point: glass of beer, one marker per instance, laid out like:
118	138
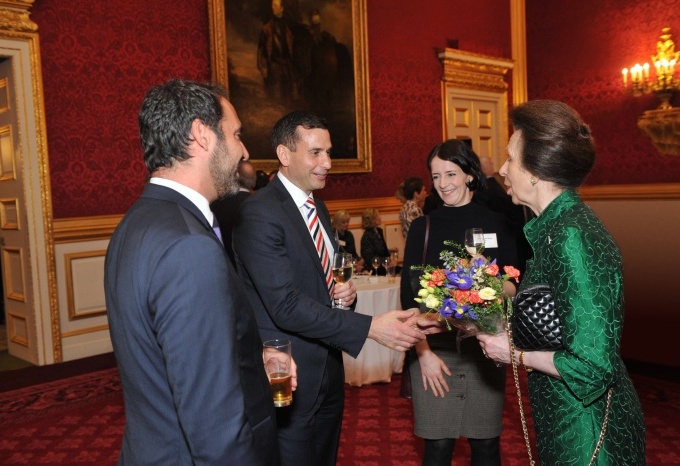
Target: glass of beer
277	363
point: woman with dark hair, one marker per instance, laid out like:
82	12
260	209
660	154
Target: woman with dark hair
414	192
550	154
462	392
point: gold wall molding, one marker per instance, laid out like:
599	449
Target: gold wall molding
101	227
630	192
467	70
76	229
518	34
85	331
14	16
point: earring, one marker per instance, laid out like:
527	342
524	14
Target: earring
533	181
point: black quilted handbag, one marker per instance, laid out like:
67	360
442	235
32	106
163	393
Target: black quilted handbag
535	323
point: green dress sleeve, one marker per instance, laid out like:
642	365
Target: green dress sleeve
588	289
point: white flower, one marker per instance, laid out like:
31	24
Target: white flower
487	294
431	302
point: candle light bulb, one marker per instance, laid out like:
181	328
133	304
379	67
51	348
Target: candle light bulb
624	72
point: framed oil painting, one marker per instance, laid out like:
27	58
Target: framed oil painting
275	56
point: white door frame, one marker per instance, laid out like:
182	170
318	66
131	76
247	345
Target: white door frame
22	47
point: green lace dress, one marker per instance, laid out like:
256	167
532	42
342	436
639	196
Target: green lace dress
574	253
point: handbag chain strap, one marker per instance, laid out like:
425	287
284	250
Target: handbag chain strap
525	430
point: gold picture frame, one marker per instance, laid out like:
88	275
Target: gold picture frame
257	106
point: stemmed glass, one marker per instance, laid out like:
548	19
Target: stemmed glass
342	271
474	241
375	263
385	262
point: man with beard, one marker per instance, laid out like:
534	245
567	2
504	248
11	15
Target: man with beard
185	339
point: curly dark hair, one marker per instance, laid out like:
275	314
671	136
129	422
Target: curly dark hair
166	116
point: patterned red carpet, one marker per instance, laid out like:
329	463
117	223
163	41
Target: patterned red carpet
79	421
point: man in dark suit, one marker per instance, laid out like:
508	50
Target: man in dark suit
290	294
493	196
225	209
184	335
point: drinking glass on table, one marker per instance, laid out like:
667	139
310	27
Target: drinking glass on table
474	241
342	271
277	363
375	263
392	266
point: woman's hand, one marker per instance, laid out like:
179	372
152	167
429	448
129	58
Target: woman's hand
433	369
495	347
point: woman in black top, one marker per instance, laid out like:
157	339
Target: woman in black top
456	393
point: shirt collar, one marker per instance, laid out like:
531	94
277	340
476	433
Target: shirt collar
197	199
298	195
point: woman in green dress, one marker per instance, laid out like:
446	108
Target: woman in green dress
550	154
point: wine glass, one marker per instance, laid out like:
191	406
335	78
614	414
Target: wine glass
342	271
385	262
375	263
474	241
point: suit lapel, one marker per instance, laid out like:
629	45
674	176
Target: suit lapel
299	225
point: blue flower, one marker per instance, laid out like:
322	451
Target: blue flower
461	311
458	280
448	307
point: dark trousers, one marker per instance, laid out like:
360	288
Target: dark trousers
484	452
311	439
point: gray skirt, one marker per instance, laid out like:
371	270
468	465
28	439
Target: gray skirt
473	406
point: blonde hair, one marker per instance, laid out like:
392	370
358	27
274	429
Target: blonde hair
339	216
368	218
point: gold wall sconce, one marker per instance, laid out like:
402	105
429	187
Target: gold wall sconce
662	125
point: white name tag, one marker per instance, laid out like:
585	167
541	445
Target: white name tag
490	240
342	243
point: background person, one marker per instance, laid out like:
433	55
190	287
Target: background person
289	291
550	154
373	240
415	193
184	336
493	196
225	209
455	393
346	243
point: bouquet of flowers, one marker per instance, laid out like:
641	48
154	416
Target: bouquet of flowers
467	291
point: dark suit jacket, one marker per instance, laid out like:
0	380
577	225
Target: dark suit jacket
186	341
280	265
225	211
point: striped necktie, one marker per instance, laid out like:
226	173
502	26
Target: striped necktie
314	226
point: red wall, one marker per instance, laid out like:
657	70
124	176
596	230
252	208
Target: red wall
575	53
99	58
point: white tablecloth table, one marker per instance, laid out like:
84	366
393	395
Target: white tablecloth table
375	363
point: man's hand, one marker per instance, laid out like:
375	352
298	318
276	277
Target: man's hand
431	323
395	329
346	292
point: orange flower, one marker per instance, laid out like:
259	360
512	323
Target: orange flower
491	269
474	297
437	278
512	272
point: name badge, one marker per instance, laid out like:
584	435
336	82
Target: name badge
490	240
342	243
